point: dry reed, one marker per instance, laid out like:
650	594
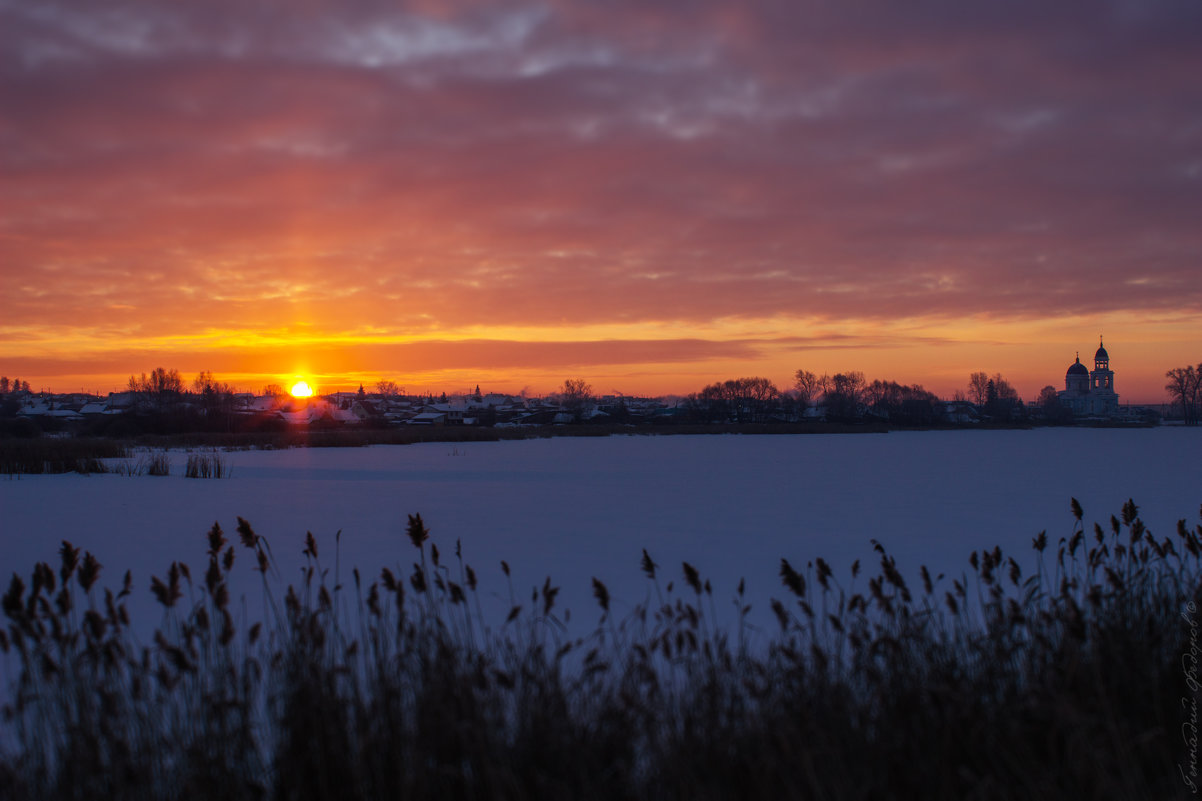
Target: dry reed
1061	680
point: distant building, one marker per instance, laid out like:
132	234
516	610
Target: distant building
1090	393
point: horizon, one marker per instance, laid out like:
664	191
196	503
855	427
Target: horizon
649	198
312	389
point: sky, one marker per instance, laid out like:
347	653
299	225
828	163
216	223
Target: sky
648	196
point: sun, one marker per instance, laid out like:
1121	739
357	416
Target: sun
301	389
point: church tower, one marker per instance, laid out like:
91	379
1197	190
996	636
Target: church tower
1103	399
1102	377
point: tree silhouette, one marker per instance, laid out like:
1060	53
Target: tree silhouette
908	405
160	390
739	399
576	396
978	388
1185	389
845	395
806	387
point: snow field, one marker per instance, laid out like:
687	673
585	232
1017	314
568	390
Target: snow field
575	508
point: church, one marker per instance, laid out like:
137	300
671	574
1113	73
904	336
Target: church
1090	393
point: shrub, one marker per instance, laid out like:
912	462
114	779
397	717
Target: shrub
130	468
159	464
206	465
154	464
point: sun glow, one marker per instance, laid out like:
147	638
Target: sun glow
301	389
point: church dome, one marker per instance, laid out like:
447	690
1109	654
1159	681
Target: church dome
1077	369
1101	355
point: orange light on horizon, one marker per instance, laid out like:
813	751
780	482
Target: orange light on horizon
301	389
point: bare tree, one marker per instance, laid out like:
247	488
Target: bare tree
708	404
205	384
1004	389
908	405
1185	389
203	380
759	394
215	397
1195	393
740	399
389	389
806	387
576	396
159	381
845	395
161	388
1001	399
978	388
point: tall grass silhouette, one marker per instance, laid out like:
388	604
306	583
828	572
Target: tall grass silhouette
1061	677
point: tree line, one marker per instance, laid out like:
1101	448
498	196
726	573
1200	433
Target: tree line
163	389
15	385
845	397
165	402
842	397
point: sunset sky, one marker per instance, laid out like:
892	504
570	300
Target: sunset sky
651	196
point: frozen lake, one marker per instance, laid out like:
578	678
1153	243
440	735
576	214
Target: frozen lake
574	508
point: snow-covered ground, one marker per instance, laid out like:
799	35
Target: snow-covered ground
577	508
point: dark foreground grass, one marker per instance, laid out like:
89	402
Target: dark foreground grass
1073	678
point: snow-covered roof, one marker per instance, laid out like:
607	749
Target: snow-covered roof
454	406
262	404
43	410
491	399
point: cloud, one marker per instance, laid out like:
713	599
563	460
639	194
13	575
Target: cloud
418	357
175	169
